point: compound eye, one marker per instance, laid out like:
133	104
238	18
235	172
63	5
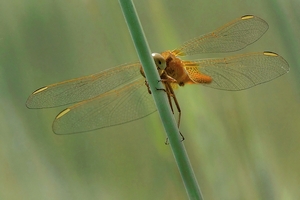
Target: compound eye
159	60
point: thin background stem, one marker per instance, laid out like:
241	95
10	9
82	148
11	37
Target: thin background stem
161	101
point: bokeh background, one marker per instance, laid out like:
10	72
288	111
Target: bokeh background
242	145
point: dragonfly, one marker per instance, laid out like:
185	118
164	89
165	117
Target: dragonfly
120	95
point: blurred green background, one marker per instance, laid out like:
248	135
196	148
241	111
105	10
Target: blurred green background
242	145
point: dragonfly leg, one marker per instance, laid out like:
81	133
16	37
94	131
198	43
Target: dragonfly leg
148	87
167	141
172	94
182	139
169	97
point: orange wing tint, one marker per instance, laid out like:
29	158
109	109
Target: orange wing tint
237	72
232	36
120	94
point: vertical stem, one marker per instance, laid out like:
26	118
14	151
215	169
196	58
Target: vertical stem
161	100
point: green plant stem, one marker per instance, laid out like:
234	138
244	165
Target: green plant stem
161	100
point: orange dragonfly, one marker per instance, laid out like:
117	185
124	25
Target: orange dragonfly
119	95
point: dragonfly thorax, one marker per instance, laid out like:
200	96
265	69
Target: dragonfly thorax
175	68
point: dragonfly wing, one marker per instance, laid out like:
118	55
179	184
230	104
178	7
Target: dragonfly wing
241	71
233	36
79	89
116	107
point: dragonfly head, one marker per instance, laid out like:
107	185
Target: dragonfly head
160	62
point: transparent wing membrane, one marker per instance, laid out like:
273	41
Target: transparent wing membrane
119	95
233	36
79	89
239	72
127	104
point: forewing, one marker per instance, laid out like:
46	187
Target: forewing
241	71
116	107
233	36
87	87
